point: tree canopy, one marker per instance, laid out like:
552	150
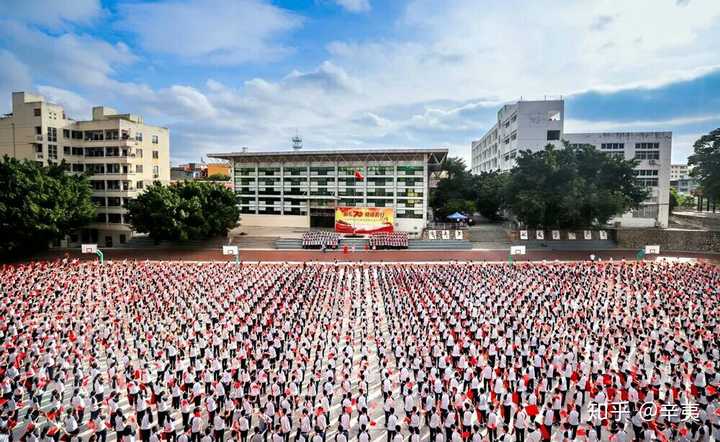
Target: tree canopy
40	204
706	164
187	210
577	186
455	192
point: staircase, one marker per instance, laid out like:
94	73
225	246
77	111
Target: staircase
489	236
288	244
580	245
448	244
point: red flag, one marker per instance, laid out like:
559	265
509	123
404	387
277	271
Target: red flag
359	176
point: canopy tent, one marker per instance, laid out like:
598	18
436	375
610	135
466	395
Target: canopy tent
457	216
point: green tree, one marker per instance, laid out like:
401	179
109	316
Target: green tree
40	204
218	177
455	191
705	162
490	193
184	211
675	199
577	186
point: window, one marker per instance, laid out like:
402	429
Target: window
52	134
77	151
66	133
114	218
156	154
138	136
38	148
76	135
139	168
138	153
38	130
155	139
653	146
97	184
645	172
139	185
156	170
98	200
78	168
123	238
553	135
66	150
37	112
95	168
647	154
612	146
100	218
52	151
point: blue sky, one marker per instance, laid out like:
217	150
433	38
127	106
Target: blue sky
223	74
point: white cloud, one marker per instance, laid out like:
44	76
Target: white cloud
354	5
67	58
75	106
14	76
51	13
223	32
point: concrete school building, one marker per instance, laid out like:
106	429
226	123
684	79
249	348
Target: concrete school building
302	188
121	153
531	125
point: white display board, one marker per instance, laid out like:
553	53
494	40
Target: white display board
523	234
603	234
540	234
458	234
556	235
230	250
445	234
588	235
572	236
652	250
89	248
432	234
517	250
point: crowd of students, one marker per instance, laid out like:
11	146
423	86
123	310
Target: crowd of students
316	239
392	240
277	352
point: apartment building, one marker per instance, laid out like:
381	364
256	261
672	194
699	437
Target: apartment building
120	153
678	171
531	125
303	188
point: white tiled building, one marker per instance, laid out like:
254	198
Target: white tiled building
121	153
531	125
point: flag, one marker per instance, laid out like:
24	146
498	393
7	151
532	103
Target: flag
359	176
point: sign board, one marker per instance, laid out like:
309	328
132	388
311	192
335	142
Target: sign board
89	248
523	234
556	235
540	234
445	234
652	250
432	234
588	235
230	250
364	220
572	236
603	234
458	234
517	250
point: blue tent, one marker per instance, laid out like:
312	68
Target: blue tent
457	216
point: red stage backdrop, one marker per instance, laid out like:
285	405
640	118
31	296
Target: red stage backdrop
364	220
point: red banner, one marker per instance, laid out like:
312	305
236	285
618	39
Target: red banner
364	220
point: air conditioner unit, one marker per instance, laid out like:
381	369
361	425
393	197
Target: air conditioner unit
38	137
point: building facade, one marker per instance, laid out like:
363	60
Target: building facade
678	171
531	125
120	153
303	188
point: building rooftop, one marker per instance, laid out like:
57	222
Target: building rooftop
435	155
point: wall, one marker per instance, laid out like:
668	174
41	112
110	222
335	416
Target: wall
680	240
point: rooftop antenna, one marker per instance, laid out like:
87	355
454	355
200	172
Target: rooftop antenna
297	142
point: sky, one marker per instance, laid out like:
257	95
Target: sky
226	74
